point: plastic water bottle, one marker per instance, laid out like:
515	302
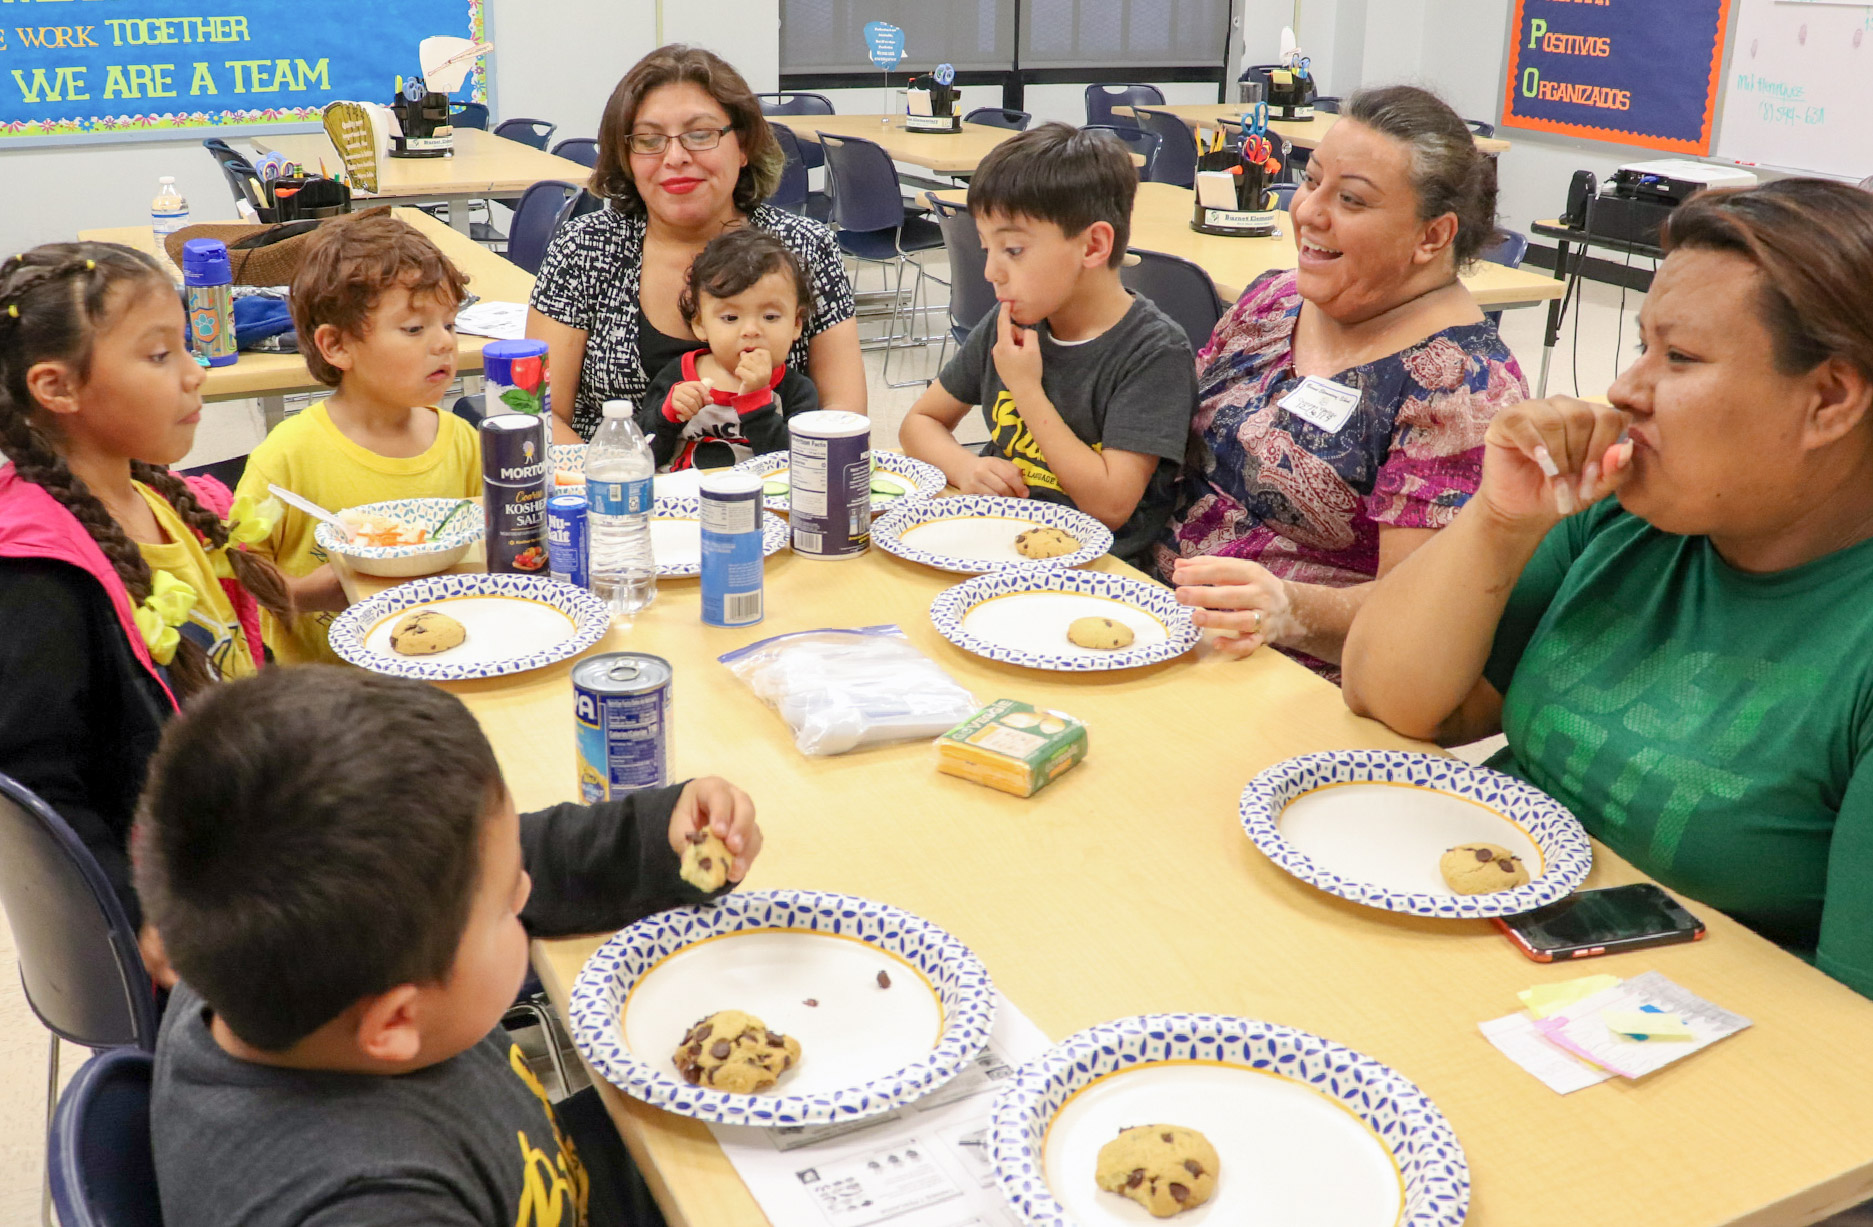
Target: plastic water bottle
168	214
618	495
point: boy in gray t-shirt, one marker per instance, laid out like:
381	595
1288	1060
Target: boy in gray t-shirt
1087	389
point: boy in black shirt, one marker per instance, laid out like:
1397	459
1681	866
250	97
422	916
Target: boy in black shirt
338	875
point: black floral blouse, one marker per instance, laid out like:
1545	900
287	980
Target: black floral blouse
589	281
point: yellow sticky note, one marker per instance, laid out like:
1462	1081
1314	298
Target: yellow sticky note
1281	77
1647	1024
1547	1000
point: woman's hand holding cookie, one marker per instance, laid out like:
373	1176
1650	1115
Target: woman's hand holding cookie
713	804
1244	600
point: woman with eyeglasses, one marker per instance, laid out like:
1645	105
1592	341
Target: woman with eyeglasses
684	154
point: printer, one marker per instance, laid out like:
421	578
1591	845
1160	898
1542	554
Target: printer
1635	202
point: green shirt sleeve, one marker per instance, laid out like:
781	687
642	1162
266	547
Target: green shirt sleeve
1537	587
1845	950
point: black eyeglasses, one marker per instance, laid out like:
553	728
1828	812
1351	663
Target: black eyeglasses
700	139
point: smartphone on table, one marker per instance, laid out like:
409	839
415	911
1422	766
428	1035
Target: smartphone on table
1608	921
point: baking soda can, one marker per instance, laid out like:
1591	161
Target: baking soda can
829	483
732	506
622	703
513	487
565	539
515	373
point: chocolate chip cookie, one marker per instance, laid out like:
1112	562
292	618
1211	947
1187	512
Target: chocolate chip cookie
424	632
1045	543
1166	1169
1106	634
705	860
1482	869
733	1051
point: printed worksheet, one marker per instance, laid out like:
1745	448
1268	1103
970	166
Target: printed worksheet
925	1164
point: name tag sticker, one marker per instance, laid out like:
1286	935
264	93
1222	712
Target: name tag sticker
1322	403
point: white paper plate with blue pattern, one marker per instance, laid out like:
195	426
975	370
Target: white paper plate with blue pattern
895	479
808	965
1020	617
1372	825
676	536
974	534
1306	1130
463	529
567	464
513	623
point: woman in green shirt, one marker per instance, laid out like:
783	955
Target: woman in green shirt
1687	666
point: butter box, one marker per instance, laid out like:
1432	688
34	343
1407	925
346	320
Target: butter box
1012	746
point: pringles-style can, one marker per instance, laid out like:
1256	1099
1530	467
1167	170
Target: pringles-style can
513	488
732	507
829	483
516	376
622	703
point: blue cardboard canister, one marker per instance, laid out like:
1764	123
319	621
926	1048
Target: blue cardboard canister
829	483
566	558
732	509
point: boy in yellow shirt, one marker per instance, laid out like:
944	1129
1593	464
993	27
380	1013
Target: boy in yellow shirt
374	303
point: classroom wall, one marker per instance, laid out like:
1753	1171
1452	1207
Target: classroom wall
538	69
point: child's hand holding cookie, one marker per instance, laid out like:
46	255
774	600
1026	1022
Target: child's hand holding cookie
687	399
756	369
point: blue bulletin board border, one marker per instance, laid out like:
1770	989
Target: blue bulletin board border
1644	140
168	125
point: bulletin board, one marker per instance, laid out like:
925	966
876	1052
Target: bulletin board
1632	72
115	68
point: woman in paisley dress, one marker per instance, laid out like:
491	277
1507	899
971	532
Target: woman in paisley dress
1342	405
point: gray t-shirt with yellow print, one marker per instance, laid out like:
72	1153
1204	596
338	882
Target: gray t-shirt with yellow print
1133	388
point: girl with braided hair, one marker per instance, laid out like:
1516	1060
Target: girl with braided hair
122	589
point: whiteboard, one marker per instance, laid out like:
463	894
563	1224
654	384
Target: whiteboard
1799	89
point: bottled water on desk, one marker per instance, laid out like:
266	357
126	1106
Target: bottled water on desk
168	214
618	496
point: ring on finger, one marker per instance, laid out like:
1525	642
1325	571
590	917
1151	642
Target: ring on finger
1258	620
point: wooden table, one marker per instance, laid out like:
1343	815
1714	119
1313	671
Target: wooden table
1161	222
947	153
1303	133
270	377
1128	887
484	165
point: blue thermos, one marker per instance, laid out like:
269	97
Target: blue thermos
208	279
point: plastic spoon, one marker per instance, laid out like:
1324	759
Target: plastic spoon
312	509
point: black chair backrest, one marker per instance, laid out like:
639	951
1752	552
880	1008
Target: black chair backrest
469	115
1328	103
1180	289
99	1161
1508	249
1177	148
864	184
535	132
1481	127
536	217
1144	144
580	149
1284	194
791	192
795	104
1000	117
1100	99
971	296
78	957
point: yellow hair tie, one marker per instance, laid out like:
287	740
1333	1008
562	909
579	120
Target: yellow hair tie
13	309
165	608
249	523
91	266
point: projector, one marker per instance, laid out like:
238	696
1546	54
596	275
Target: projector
1674	182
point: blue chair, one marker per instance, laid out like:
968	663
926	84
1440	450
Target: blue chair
1481	127
1100	99
875	227
99	1161
1000	117
536	217
1508	249
1327	103
1144	144
580	149
800	104
1180	289
469	115
1177	148
971	295
78	958
579	206
535	132
795	194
